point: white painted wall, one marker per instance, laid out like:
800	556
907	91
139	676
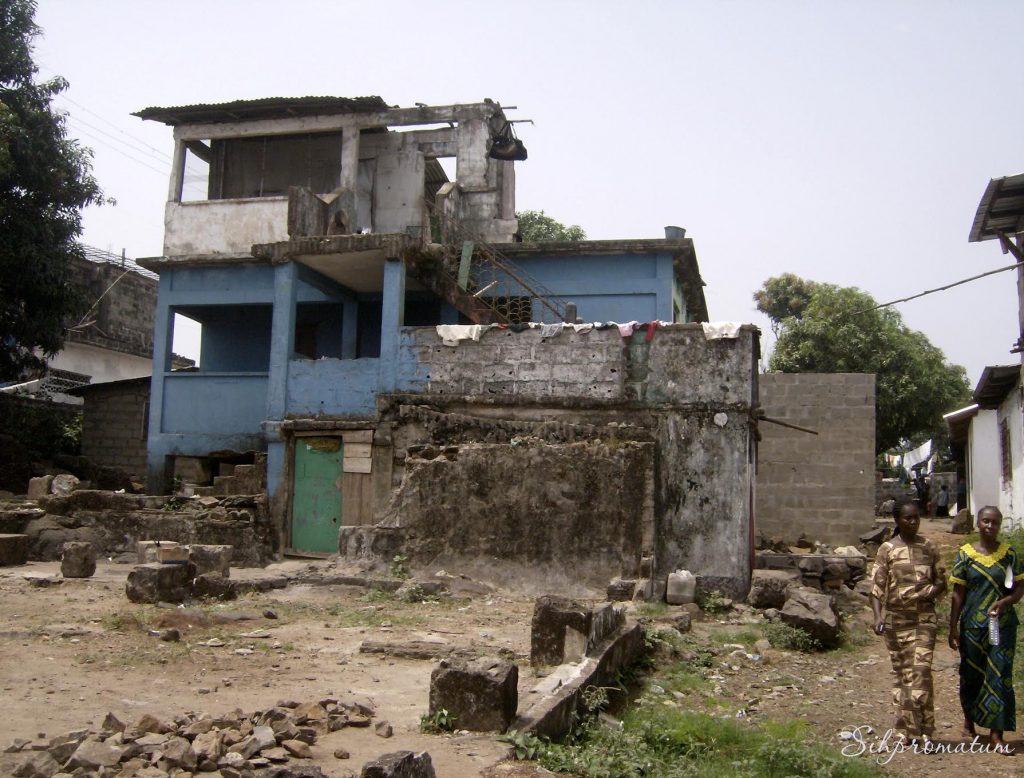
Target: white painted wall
983	464
100	363
1011	495
223	226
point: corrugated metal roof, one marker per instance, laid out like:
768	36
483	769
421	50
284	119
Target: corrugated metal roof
995	383
263	108
1001	209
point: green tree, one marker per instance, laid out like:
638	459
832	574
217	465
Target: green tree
784	296
45	181
538	227
838	331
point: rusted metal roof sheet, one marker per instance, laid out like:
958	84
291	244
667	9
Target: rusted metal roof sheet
1001	209
263	108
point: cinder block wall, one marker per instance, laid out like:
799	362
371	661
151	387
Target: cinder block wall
820	485
114	426
125	308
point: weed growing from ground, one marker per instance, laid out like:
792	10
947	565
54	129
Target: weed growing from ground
437	722
792	638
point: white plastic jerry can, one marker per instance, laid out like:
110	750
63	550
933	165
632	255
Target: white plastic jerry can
682	587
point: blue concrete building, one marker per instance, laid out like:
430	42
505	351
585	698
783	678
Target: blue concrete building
321	251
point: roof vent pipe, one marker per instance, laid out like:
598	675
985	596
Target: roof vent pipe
675	233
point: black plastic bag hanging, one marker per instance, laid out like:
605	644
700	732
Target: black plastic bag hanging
506	146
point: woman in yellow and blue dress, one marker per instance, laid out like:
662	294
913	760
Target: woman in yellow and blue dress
988	579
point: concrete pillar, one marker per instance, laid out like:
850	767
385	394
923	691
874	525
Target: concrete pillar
392	313
282	339
163	338
348	183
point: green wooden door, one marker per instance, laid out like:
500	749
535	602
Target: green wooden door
316	494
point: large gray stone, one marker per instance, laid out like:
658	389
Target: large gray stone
400	764
963	523
13	549
78	559
64	484
94	754
160	583
814	612
768	587
38	764
481	694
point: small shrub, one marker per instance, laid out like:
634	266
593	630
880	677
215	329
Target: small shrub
526	746
400	566
782	635
411	593
713	601
437	722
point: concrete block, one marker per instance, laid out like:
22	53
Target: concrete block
565	631
160	583
193	470
481	694
211	559
146	549
39	487
399	764
13	549
78	560
172	555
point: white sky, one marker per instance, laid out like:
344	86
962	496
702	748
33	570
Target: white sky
847	142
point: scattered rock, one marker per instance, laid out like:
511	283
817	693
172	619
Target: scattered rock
768	587
683	622
341	753
39	487
400	764
160	583
813	612
383	729
963	523
13	549
64	484
38	764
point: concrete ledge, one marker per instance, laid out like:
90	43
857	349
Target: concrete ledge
555	700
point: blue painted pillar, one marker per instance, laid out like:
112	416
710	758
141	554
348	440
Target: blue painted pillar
666	275
391	320
282	339
350	328
163	338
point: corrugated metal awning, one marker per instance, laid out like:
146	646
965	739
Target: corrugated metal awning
263	108
995	383
1001	209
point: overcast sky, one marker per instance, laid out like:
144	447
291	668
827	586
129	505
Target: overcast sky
847	142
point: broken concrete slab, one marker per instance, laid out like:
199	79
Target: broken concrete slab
211	558
13	549
563	630
78	559
160	583
63	484
554	702
400	764
480	694
39	487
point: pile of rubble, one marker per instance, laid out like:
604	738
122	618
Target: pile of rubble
265	744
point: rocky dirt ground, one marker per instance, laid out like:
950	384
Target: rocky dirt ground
76	650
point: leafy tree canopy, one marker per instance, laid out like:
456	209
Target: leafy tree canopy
538	227
784	296
45	181
836	332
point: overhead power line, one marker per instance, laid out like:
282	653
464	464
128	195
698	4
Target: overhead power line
938	289
64	96
161	158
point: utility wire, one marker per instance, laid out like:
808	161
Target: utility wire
64	96
122	153
937	289
162	158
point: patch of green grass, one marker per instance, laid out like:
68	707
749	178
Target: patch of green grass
713	601
745	636
652	610
658	742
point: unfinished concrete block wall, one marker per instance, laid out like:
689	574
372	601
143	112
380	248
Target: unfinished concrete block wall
114	425
124	308
823	485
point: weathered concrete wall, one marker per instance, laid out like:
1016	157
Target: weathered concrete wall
820	485
123	309
692	397
114	425
229	227
567	513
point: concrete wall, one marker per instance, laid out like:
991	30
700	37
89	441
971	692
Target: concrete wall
983	461
211	227
820	485
101	364
114	425
694	397
122	309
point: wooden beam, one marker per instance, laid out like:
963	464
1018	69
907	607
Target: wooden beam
201	150
1008	246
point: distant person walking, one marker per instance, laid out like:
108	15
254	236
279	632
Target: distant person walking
942	502
988	580
906	580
